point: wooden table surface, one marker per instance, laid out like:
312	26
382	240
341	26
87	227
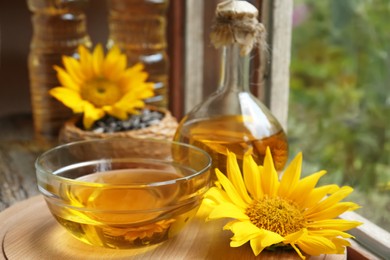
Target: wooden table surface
18	151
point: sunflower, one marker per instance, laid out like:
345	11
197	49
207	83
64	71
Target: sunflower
292	212
96	85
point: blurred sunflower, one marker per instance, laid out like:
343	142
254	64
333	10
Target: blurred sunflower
271	213
95	85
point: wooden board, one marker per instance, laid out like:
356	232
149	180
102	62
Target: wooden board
28	231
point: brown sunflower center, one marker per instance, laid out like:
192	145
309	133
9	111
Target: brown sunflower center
277	215
101	92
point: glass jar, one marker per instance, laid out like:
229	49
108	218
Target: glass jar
138	27
59	27
233	119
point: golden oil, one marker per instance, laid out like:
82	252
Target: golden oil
217	135
110	214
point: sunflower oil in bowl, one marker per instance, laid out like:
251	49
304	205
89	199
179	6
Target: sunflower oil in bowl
123	192
112	214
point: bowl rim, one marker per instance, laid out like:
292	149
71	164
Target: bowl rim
51	174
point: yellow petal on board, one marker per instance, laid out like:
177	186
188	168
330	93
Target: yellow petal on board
305	186
264	240
334	224
269	178
235	177
333	211
230	190
291	176
217	196
341	245
252	178
243	232
330	233
318	194
296	236
298	251
259	238
331	200
316	245
227	210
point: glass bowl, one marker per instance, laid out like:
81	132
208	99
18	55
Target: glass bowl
123	193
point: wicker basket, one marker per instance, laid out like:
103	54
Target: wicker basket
163	130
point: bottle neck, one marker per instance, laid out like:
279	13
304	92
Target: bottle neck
235	70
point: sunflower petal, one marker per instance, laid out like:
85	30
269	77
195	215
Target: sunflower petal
217	195
269	178
230	190
141	75
91	114
72	66
305	186
86	62
331	200
235	177
340	244
205	208
298	251
130	97
98	59
116	111
318	194
332	212
228	210
291	176
316	245
264	240
114	64
243	232
337	224
251	173
135	69
330	233
246	231
66	79
69	98
294	237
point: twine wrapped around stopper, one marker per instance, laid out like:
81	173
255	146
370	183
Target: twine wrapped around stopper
236	22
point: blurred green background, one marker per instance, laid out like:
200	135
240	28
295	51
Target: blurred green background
339	112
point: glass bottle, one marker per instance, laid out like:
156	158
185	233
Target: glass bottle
138	27
233	119
59	26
